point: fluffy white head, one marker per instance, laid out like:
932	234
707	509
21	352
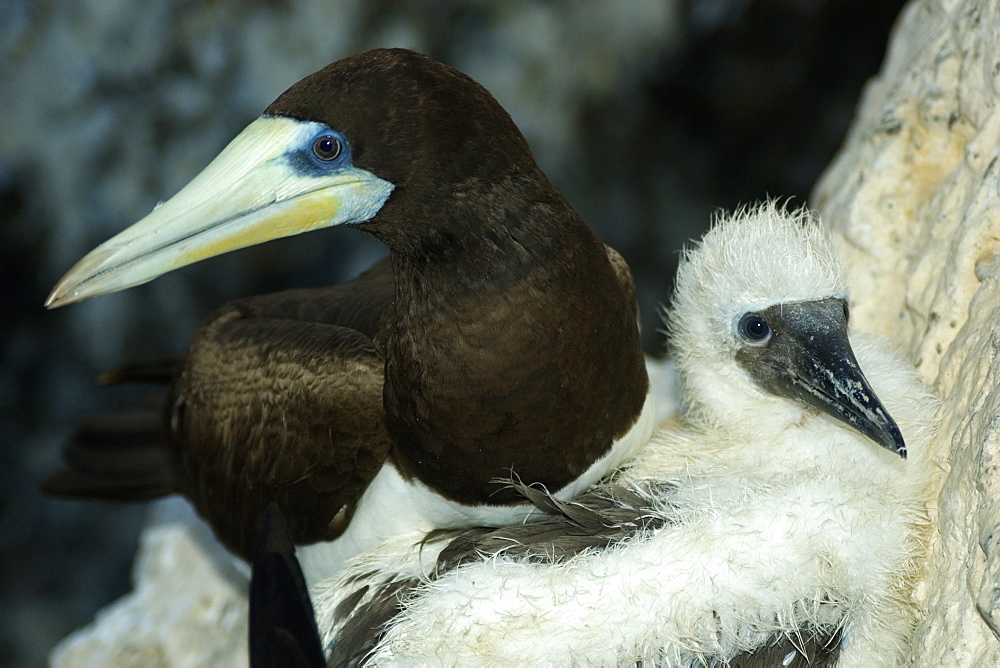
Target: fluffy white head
750	260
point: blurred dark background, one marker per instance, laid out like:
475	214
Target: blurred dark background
648	114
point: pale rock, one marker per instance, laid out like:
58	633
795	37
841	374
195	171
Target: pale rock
915	196
189	606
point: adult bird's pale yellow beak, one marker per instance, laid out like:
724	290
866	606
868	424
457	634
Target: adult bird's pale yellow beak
265	184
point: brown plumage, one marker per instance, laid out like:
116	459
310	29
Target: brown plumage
274	403
499	337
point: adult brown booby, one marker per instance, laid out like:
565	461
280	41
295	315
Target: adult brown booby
498	339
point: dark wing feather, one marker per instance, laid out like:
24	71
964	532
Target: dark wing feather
156	372
115	457
365	304
594	520
282	624
284	411
366	623
624	274
120	457
279	398
820	650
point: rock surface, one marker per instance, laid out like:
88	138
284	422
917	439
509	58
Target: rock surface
915	196
189	606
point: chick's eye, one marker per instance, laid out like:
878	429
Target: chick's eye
326	147
754	329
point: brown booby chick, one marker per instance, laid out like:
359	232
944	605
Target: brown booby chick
498	339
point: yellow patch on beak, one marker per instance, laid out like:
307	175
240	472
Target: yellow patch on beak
257	189
303	214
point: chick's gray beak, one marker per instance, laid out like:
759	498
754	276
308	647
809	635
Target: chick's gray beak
808	358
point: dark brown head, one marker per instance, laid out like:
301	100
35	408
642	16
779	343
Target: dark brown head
409	119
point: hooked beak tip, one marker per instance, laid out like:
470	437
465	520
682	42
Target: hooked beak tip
892	439
899	449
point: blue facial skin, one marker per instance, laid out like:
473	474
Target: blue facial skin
318	152
305	161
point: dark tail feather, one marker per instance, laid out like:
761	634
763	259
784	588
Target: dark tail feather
115	458
283	628
156	372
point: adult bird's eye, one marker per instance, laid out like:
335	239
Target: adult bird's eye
754	329
326	147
